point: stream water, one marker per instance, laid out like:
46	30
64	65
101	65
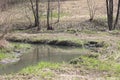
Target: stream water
42	53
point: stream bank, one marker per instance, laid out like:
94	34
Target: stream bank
103	64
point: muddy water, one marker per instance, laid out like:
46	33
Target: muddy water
42	53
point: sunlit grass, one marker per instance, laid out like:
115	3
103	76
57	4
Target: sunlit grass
36	69
2	55
8	53
93	63
54	15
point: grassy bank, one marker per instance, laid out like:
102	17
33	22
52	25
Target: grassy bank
87	63
82	70
93	63
46	39
3	55
39	67
100	65
14	48
54	39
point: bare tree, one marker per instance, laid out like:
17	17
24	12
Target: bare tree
6	28
4	22
92	9
35	11
117	15
48	17
58	10
3	5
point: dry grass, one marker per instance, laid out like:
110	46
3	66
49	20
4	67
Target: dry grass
76	12
4	44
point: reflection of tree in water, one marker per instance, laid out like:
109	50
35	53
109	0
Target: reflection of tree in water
36	54
42	53
48	53
51	54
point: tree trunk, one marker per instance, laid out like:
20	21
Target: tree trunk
109	5
117	15
36	13
33	11
48	17
58	10
37	23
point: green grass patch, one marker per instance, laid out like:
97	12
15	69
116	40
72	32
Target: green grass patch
47	74
20	45
95	64
53	15
8	53
82	31
37	68
67	40
89	32
2	55
49	39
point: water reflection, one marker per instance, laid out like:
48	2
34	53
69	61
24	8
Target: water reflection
42	53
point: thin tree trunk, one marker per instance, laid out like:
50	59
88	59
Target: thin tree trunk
37	23
48	14
33	10
58	10
48	17
36	13
51	16
117	15
111	14
109	5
